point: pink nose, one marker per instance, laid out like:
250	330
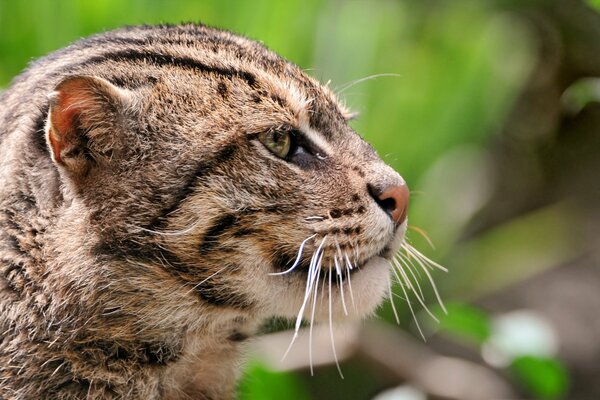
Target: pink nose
394	200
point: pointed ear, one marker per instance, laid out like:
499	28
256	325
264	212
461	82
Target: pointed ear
348	114
83	121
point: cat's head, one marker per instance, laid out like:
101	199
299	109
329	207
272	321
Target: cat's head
234	171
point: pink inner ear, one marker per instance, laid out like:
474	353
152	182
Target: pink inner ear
71	100
64	114
73	97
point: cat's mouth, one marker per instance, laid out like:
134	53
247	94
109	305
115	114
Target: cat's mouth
340	275
340	271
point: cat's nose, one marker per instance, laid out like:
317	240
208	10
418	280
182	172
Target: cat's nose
392	199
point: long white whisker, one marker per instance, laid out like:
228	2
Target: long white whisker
322	292
399	297
423	234
337	363
403	261
339	265
412	312
301	311
312	319
392	300
312	270
348	274
298	257
410	285
417	254
433	285
348	85
341	283
408	259
173	233
348	260
206	279
314	218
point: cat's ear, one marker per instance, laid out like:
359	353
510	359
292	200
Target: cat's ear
84	121
348	114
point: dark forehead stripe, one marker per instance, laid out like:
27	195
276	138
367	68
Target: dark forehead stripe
191	37
325	115
202	170
163	60
205	40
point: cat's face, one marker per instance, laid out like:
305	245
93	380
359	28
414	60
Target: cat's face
251	187
291	198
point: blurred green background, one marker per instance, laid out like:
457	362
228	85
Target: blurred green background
489	109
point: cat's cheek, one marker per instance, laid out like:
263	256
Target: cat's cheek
369	286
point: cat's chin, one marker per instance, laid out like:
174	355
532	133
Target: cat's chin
356	295
369	288
362	294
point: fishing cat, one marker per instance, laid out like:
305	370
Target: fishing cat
164	190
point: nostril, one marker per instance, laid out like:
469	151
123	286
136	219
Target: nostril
388	204
393	200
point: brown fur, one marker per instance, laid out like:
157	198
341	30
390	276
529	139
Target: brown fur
140	217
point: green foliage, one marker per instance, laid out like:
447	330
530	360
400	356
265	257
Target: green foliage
260	383
594	3
466	322
545	378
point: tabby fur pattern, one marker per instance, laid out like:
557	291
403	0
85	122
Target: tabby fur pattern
143	225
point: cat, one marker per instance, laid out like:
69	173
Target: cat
165	190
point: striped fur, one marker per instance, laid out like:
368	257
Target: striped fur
137	274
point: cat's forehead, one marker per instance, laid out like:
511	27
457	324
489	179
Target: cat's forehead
233	66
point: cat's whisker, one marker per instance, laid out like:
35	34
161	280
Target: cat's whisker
312	319
207	278
314	218
410	307
349	275
341	283
348	262
312	271
422	232
298	257
181	232
300	312
322	292
348	85
407	258
411	287
335	357
417	254
412	273
430	278
389	281
396	295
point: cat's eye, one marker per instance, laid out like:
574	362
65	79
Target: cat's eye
279	143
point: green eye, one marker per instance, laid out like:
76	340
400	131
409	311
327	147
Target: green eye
277	142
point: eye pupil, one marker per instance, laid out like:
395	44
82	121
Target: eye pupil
278	143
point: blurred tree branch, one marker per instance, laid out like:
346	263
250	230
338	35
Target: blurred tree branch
390	351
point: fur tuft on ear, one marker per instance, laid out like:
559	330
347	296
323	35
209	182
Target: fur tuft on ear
350	115
83	120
